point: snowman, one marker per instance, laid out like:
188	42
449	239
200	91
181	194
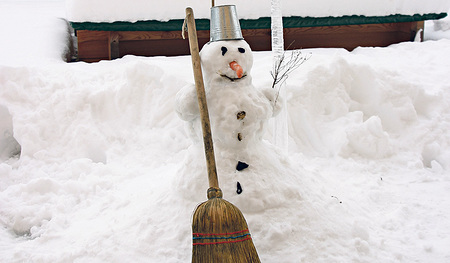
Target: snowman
239	112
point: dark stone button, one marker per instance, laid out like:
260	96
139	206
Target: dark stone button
240	115
241	166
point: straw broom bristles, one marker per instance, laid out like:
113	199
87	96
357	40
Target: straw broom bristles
220	232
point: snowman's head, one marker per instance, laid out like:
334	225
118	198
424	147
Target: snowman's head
227	61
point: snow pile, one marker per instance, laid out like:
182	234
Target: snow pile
116	10
102	175
438	29
106	168
8	145
38	34
373	101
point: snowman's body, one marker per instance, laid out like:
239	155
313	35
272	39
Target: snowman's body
241	122
238	111
239	114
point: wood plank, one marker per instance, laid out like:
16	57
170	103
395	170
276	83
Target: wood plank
156	35
165	47
93	45
93	49
87	35
417	27
349	36
113	47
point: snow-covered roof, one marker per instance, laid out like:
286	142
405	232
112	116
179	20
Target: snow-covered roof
136	10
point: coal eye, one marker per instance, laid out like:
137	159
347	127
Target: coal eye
241	50
224	50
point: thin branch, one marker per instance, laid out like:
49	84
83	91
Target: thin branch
283	66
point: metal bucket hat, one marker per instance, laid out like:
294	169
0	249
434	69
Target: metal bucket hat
224	23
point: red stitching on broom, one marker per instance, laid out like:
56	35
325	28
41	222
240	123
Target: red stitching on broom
223	242
226	234
215	237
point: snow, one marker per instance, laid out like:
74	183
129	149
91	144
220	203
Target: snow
117	10
106	168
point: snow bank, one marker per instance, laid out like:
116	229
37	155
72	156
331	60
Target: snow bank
9	147
107	171
109	11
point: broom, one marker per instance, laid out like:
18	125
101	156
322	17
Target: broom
220	232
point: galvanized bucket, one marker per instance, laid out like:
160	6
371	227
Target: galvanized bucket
224	23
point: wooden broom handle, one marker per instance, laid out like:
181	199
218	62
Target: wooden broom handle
201	96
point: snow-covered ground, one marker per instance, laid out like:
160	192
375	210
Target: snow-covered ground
104	167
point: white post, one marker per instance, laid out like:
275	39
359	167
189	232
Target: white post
280	124
277	28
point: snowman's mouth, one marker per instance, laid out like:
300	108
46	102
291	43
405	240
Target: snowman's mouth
233	79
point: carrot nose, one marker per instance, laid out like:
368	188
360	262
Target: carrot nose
236	67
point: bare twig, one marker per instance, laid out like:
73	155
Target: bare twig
283	66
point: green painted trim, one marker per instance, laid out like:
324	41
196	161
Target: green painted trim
261	23
149	25
358	20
